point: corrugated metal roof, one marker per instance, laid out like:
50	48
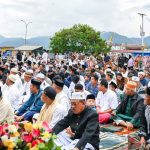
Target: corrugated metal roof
27	48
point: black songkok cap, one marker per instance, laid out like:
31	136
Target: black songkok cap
50	92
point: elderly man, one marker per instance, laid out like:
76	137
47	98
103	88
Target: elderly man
32	105
26	86
129	110
52	111
41	77
11	92
143	80
18	81
141	139
83	123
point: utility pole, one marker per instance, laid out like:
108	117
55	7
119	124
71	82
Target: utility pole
142	33
26	30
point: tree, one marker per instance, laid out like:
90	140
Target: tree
79	38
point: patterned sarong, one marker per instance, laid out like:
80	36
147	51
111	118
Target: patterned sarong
134	142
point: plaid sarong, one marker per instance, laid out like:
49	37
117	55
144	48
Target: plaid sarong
134	142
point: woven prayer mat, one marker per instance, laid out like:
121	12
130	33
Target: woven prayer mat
111	141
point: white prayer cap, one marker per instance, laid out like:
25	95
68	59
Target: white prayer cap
142	73
78	96
29	73
40	75
24	68
12	77
14	70
7	64
96	66
135	78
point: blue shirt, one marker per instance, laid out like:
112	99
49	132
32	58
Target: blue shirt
144	82
92	89
34	103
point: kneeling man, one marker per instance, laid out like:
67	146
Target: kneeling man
83	125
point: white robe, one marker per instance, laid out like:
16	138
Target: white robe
11	94
66	143
63	100
6	112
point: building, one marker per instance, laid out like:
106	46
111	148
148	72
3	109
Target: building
6	50
29	49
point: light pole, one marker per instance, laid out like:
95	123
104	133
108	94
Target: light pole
26	25
142	33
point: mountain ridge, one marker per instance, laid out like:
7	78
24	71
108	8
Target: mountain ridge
44	40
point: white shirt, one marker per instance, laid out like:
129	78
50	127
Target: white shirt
25	93
63	100
58	114
44	84
66	90
130	62
106	101
6	111
18	82
11	94
45	57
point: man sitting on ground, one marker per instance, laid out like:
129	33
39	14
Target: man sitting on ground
129	110
32	105
51	111
106	102
141	139
90	101
84	126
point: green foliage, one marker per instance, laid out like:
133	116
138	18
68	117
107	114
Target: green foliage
79	38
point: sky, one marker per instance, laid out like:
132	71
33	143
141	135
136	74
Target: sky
49	16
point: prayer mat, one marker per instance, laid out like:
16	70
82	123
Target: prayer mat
111	141
110	128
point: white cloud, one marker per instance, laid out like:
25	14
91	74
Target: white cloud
48	16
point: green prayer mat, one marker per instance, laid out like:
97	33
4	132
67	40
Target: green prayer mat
111	128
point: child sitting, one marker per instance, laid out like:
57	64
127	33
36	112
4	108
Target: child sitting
90	101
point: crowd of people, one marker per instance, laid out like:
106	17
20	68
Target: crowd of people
78	93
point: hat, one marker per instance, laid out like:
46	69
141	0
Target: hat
141	72
29	73
135	78
96	66
50	92
130	75
12	65
59	82
14	70
24	68
131	85
7	64
90	96
35	82
113	83
118	74
40	75
78	96
12	78
110	73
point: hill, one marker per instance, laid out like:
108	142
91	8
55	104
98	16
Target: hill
44	40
